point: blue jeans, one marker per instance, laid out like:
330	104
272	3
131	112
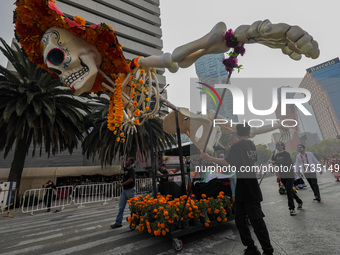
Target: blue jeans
125	196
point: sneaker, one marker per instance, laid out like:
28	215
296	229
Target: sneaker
252	250
116	225
300	206
292	212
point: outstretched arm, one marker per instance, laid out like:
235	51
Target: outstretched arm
292	40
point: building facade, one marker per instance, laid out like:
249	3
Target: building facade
323	81
210	70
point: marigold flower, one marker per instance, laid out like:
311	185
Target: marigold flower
133	94
137	112
122	134
79	20
147	99
142	71
141	81
145	91
136	122
135	103
118	139
133	85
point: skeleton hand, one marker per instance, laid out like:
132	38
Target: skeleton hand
292	40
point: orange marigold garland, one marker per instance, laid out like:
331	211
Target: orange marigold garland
116	109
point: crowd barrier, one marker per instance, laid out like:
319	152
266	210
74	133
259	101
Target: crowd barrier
46	199
7	198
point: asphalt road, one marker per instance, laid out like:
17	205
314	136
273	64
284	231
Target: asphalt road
314	230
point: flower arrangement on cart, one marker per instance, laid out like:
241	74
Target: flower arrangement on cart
163	214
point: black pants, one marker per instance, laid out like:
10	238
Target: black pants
291	195
255	214
313	182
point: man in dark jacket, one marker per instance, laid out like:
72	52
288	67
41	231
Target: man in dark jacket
49	195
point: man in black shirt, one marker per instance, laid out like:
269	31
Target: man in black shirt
129	190
248	194
284	162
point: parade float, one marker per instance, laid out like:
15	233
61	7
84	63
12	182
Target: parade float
89	58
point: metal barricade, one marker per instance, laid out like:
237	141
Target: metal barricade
47	199
144	186
8	201
93	193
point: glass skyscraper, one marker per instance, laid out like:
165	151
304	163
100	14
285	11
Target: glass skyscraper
323	81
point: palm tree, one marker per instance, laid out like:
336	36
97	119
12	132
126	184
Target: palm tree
102	142
35	109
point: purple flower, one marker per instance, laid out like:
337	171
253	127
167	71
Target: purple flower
229	34
230	63
230	39
240	50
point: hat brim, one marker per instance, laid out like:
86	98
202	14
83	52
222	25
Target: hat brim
33	18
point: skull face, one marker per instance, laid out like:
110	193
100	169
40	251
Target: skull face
74	60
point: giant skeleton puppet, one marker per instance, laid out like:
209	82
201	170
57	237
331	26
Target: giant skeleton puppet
88	58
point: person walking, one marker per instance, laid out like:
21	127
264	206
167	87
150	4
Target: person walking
129	190
49	195
162	180
285	165
307	162
248	196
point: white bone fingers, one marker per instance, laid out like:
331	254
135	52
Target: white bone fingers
214	39
292	40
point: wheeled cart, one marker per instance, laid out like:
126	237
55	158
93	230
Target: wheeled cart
175	235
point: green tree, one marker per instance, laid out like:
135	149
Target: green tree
101	142
263	154
36	110
325	148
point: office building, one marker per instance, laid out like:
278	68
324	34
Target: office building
323	81
210	70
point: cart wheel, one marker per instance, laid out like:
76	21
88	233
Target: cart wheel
178	244
133	227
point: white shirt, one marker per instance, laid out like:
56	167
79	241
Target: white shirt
301	164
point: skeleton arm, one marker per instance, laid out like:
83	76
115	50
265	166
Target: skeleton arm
292	40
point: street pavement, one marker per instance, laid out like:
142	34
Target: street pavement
314	230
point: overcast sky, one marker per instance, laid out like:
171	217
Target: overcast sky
187	20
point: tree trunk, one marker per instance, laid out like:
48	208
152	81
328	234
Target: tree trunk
18	162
